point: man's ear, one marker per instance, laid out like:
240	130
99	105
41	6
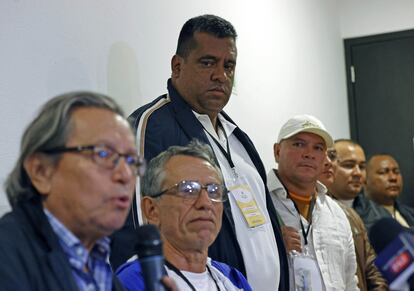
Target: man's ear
40	171
176	62
276	151
150	210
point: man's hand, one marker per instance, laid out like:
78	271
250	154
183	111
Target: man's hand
169	283
291	238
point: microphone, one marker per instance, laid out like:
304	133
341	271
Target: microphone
149	251
394	245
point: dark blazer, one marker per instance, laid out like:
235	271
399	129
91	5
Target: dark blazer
31	257
371	212
170	121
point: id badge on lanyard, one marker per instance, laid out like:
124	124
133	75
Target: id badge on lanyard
241	190
306	272
246	202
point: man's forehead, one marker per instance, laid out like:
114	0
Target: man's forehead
346	150
307	136
385	162
91	125
210	45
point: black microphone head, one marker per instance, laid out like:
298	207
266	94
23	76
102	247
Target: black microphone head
148	241
383	232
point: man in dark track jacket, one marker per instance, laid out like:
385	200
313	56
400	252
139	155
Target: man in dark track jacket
200	86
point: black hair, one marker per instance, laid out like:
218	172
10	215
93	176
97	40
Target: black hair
207	23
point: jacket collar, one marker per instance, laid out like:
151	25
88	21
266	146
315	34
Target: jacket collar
32	210
276	186
184	116
31	213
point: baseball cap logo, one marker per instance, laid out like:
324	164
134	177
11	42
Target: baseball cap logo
308	124
304	123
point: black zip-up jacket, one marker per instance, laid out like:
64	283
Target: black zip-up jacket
371	212
173	123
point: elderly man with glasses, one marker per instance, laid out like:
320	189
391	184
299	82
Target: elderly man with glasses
183	194
71	187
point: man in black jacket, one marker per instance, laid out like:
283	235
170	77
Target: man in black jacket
201	83
384	185
381	179
71	187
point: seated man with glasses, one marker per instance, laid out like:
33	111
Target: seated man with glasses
183	194
71	187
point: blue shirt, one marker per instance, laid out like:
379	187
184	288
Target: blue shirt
131	276
91	270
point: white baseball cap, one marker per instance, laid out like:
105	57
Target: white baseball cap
304	123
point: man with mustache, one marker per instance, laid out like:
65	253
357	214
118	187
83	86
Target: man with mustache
183	195
384	185
315	229
369	278
201	83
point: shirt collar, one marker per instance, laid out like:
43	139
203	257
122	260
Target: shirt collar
273	182
61	230
275	185
70	242
206	122
348	203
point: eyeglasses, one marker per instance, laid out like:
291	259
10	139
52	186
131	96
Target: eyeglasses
105	156
192	189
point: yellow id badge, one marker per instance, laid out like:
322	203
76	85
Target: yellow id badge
247	205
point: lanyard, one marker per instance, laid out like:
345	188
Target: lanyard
225	153
311	206
305	233
181	275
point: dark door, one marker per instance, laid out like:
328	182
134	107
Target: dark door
380	72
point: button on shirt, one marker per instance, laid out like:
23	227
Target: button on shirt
258	245
91	271
330	238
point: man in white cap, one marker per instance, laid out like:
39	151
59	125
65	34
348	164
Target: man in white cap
316	231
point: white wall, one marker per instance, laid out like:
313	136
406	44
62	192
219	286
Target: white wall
295	66
290	60
362	18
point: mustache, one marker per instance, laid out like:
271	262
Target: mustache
220	88
306	164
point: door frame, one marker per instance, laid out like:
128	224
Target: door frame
349	43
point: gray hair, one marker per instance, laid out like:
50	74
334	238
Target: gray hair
155	174
51	128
